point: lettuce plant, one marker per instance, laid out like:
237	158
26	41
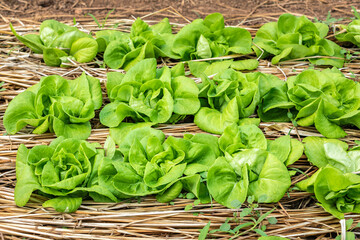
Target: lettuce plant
147	94
56	105
352	33
123	50
231	96
324	99
335	184
58	41
323	152
210	38
250	166
294	37
62	171
145	163
337	192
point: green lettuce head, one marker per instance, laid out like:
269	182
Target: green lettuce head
210	38
352	33
335	184
56	105
145	163
326	99
249	167
62	170
253	172
123	50
230	97
58	42
293	37
337	192
146	94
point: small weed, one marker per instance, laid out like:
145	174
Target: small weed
329	19
256	221
102	25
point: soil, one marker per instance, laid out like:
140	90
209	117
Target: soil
242	12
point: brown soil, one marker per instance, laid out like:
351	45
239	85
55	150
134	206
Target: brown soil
245	12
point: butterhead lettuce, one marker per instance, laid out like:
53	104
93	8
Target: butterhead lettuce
57	105
146	94
352	33
208	38
251	166
293	37
231	96
57	41
63	171
152	165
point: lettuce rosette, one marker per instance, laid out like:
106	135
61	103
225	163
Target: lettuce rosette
250	167
145	163
58	41
322	152
231	96
325	99
57	105
336	184
61	171
210	38
146	94
337	192
293	37
352	33
124	50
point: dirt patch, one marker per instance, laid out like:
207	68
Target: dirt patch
243	12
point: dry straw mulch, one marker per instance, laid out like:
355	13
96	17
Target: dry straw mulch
297	213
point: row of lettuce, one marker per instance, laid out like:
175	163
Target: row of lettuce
222	96
137	161
291	37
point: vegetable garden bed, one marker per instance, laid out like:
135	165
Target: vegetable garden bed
296	216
